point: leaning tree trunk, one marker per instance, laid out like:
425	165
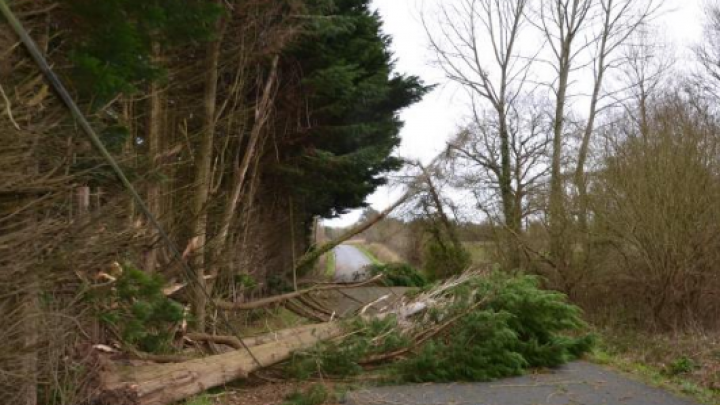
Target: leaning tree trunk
319	251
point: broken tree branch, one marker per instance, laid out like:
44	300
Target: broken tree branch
245	306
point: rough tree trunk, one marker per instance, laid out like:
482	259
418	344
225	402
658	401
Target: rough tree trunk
167	383
203	179
154	133
557	220
262	114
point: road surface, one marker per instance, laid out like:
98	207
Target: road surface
350	264
578	383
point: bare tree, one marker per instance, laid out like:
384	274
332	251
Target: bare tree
475	156
561	22
620	19
646	64
708	52
467	32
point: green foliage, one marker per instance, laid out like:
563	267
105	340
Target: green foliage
519	326
682	365
143	315
353	97
479	349
315	395
399	275
443	260
342	358
505	324
245	280
113	39
199	400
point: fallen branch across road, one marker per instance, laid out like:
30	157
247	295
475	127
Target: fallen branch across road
261	303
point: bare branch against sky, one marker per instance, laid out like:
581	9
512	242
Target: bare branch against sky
431	123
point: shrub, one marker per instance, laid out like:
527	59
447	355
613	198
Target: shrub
399	275
445	260
315	395
504	325
342	358
519	326
682	365
143	316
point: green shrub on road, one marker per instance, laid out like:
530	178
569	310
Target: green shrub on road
521	326
342	358
502	326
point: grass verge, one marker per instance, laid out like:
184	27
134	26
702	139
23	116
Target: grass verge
330	264
364	249
687	365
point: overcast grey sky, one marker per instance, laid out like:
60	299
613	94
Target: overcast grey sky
430	123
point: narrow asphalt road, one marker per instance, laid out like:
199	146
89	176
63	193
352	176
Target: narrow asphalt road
350	264
578	383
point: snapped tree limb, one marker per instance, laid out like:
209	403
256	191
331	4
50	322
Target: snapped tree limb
245	306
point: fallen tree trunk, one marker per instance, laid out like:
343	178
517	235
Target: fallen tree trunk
162	384
231	341
251	341
276	336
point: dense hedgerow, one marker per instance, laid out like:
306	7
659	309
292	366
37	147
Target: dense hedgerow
399	275
506	324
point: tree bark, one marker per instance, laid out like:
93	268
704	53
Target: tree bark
557	219
167	383
262	113
154	133
203	179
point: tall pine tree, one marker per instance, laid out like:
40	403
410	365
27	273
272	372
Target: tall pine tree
351	98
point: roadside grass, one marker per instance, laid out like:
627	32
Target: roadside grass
320	393
688	365
203	399
213	396
364	249
315	395
330	264
385	254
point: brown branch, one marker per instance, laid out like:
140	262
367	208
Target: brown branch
306	313
231	341
244	306
422	338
